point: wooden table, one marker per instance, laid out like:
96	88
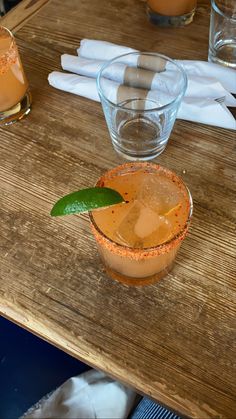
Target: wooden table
174	341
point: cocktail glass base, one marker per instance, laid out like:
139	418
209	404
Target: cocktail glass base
127	280
18	111
138	157
162	20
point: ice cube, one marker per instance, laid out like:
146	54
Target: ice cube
147	223
159	193
125	233
143	227
153	231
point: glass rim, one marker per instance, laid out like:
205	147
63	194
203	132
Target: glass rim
11	36
158	249
159	108
216	8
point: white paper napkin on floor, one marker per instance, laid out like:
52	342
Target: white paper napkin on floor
91	395
206	99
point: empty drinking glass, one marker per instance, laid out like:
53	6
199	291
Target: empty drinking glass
141	94
222	40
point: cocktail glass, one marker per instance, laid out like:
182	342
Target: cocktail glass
138	240
15	97
171	12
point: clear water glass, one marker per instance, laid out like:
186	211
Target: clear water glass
222	37
140	95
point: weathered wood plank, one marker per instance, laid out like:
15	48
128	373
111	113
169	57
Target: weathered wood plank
20	14
175	340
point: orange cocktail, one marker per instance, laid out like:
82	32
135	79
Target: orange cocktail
14	94
171	12
138	240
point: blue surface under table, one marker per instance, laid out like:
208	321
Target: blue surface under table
29	369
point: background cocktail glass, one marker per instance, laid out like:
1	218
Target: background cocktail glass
138	240
171	12
15	97
140	109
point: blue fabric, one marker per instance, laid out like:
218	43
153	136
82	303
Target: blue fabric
8	4
29	369
147	409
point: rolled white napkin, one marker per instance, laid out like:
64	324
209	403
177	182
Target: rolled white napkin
206	98
86	87
102	50
198	87
206	111
72	83
226	76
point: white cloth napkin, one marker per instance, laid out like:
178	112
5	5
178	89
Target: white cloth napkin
203	110
102	50
198	87
91	395
206	99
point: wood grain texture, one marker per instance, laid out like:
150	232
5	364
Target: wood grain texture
19	15
174	341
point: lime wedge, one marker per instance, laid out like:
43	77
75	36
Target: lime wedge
86	200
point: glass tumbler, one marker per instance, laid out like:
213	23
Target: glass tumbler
222	37
138	240
15	97
140	95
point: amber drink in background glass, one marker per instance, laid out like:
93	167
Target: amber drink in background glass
171	12
15	98
138	240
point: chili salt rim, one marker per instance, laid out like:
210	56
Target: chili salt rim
149	252
10	56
